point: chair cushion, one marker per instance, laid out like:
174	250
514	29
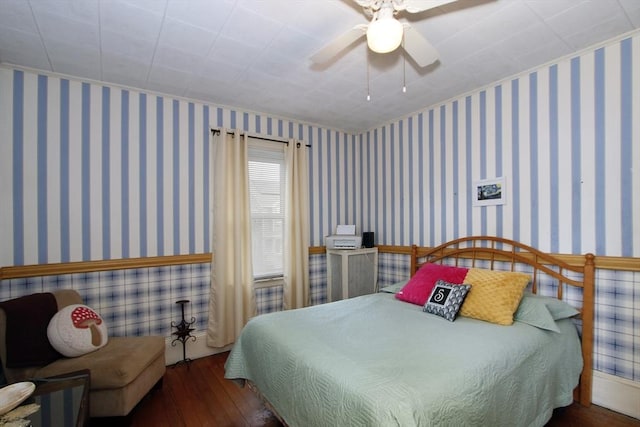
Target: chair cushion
115	365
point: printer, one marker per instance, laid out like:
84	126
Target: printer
345	238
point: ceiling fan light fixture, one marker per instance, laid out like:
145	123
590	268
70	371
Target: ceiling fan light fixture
384	35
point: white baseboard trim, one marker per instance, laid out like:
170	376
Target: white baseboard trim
615	393
194	350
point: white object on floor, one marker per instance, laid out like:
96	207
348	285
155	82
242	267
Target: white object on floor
14	394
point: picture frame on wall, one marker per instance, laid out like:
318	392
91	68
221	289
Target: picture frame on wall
489	192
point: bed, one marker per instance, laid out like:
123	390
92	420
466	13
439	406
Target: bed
378	360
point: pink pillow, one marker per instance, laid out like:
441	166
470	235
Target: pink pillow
419	287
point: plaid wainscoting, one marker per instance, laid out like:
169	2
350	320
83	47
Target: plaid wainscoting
617	324
318	279
269	299
392	268
142	301
132	302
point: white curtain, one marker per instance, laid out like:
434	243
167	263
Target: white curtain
232	300
296	233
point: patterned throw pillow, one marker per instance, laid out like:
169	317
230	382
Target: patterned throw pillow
495	295
76	330
446	299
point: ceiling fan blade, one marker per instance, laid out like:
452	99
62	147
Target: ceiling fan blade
415	6
418	48
364	3
337	45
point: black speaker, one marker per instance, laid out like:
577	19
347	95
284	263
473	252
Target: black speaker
367	239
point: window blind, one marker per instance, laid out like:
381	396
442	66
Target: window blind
266	192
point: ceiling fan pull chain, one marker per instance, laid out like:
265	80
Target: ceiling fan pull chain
368	93
404	68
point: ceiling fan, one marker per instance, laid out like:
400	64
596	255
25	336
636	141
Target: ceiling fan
385	33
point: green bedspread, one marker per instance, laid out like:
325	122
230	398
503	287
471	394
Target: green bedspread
376	361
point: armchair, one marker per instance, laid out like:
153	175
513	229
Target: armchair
122	372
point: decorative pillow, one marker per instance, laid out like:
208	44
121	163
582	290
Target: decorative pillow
419	287
542	312
558	309
446	299
27	318
494	295
535	313
76	330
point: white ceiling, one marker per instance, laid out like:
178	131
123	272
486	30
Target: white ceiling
254	54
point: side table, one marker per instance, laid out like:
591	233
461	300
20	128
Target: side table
63	400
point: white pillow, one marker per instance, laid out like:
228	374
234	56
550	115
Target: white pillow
76	330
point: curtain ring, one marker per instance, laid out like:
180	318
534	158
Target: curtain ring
297	145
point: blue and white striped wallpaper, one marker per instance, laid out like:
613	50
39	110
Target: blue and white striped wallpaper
92	171
566	136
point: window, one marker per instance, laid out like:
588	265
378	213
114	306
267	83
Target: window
266	192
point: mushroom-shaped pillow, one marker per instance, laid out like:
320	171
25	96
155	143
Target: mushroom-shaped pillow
76	330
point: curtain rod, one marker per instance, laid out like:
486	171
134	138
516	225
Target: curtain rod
214	131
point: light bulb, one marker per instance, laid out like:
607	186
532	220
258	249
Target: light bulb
384	35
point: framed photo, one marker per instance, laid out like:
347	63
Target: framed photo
489	192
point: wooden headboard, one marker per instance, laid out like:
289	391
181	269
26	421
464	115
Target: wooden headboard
503	254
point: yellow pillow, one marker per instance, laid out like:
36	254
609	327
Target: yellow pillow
494	295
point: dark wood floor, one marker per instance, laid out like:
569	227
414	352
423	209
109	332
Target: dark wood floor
198	395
